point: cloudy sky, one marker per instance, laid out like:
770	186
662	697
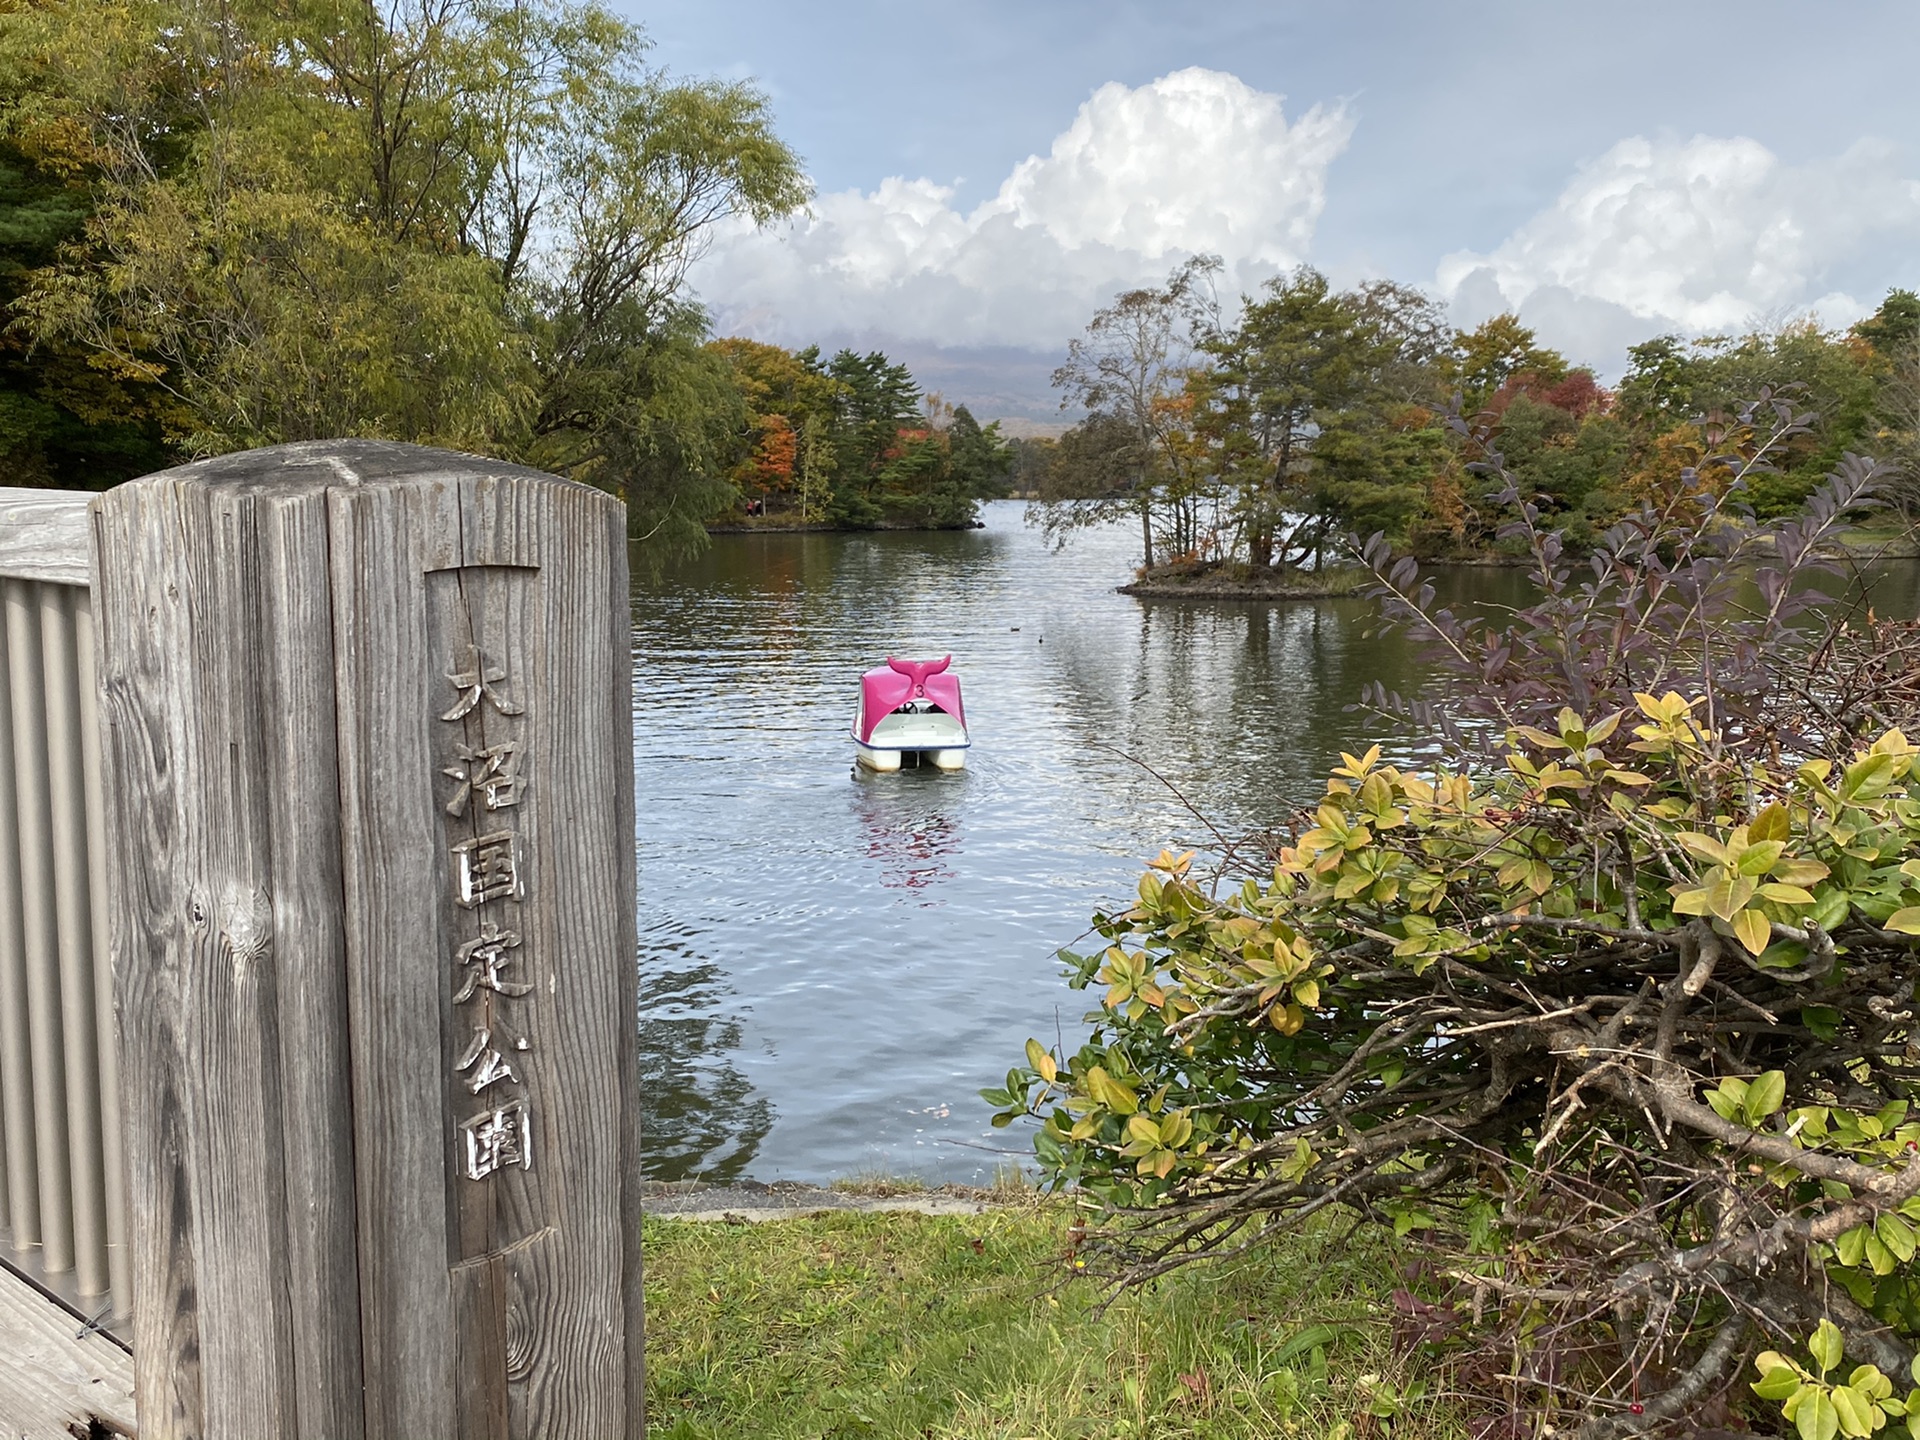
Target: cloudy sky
991	171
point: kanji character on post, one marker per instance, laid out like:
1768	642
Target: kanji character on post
490	771
498	1139
484	963
484	1059
475	683
487	867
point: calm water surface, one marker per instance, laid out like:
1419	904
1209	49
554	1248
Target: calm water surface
833	963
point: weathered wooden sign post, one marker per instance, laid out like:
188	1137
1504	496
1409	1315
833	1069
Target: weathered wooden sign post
370	789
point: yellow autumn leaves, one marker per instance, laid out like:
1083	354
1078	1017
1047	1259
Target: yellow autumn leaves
1752	880
1617	828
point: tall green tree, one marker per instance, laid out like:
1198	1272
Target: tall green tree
1671	383
939	474
1417	341
457	221
63	421
664	414
1299	353
1657	390
1893	333
1894	326
982	462
877	399
1569	464
786	456
1095	463
1495	352
1309	407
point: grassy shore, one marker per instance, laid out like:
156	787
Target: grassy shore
975	1328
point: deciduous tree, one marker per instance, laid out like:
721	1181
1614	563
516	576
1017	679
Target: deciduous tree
1131	367
453	221
1495	351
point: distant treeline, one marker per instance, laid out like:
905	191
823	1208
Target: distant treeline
853	442
1313	417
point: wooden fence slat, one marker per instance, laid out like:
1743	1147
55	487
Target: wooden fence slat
16	1044
39	925
79	1035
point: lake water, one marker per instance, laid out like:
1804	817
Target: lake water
833	963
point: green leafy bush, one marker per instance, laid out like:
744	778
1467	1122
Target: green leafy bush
1613	1009
1821	1407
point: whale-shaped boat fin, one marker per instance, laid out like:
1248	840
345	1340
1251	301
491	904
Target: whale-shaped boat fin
911	707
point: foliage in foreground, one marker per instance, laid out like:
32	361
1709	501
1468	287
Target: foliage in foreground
972	1328
1613	1009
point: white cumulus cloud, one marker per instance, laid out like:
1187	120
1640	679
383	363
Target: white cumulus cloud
1705	235
1193	162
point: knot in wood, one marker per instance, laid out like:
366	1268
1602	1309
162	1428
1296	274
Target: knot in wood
246	923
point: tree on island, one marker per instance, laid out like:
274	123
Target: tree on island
1281	437
1130	372
852	442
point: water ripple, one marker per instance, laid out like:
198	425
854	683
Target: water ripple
833	963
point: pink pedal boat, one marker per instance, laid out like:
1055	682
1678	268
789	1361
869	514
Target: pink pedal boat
910	708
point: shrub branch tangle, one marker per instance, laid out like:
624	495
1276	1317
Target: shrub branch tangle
1614	1009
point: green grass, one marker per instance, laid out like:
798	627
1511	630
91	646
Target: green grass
960	1328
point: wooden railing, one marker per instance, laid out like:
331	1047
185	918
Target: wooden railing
62	1205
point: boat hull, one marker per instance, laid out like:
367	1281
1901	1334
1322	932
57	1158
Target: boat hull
885	762
929	736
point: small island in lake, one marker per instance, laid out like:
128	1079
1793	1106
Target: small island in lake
1239	580
1255	449
851	443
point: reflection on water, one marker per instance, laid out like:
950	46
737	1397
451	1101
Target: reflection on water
909	830
834	962
703	1116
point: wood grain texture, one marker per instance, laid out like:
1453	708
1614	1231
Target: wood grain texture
275	632
55	1380
43	534
107	1043
524	569
309	937
188	787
